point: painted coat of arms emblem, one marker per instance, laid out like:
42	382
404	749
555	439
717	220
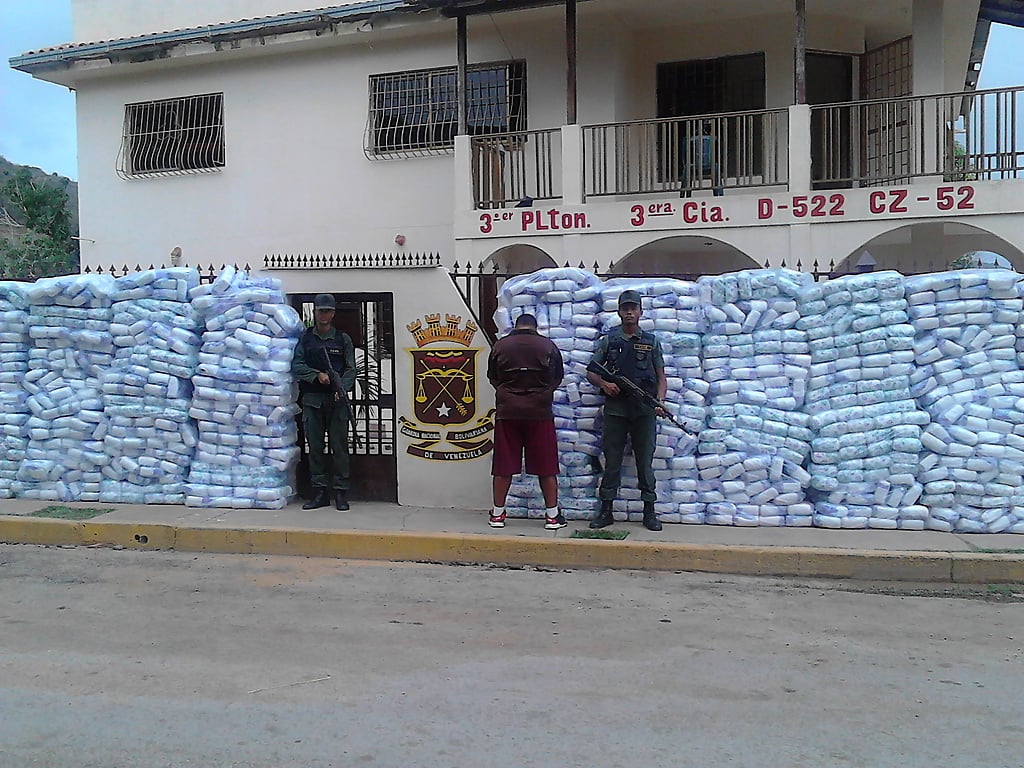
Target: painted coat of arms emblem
445	385
444	389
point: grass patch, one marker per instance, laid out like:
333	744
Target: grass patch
61	512
599	534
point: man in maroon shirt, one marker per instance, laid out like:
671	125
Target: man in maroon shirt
525	369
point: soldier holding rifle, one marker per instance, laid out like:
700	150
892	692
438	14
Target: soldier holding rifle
325	367
627	356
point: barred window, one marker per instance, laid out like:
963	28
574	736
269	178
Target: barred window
416	112
172	137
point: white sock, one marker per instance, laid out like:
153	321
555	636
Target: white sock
551	512
498	512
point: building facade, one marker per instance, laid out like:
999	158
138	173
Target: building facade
688	138
334	147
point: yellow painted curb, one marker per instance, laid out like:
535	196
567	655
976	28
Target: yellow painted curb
987	568
555	552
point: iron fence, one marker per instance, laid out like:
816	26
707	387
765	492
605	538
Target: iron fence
683	154
274	261
964	136
512	168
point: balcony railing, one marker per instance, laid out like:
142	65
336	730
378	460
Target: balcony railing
956	136
716	152
509	167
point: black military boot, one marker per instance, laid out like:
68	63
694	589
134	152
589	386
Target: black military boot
340	501
604	517
651	521
320	499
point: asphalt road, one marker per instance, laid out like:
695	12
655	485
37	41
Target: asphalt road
150	659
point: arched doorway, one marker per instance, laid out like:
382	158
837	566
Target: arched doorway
687	256
519	259
928	247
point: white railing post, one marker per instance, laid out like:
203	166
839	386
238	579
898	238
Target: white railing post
463	173
799	148
572	165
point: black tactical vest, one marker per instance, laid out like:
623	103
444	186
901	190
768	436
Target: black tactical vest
633	358
335	348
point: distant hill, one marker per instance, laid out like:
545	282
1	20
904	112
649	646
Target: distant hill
38	223
8	169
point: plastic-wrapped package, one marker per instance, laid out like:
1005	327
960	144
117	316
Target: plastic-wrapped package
969	377
866	424
757	361
244	397
14	410
71	348
148	389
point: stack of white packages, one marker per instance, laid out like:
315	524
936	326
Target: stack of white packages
566	303
244	396
672	312
148	391
14	412
751	452
69	323
970	382
866	424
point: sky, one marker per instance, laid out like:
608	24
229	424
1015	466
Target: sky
43	133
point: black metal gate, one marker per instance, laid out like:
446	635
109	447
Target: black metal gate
369	319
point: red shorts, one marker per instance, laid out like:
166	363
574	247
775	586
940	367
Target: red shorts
535	437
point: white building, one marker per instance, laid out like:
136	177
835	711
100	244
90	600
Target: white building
640	136
334	131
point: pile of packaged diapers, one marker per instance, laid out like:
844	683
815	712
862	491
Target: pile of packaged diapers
147	392
14	411
969	379
866	423
72	348
244	398
751	453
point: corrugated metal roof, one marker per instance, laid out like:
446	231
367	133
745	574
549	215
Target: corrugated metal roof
294	21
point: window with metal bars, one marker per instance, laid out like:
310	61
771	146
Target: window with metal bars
172	137
416	112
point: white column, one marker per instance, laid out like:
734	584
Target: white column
927	48
799	148
572	165
463	174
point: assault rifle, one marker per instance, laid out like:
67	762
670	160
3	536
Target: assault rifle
628	387
338	389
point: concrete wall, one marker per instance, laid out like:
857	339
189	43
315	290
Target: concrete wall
417	292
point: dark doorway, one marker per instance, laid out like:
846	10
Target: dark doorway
830	81
369	319
714	86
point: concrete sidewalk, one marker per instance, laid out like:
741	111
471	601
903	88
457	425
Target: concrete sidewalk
380	531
